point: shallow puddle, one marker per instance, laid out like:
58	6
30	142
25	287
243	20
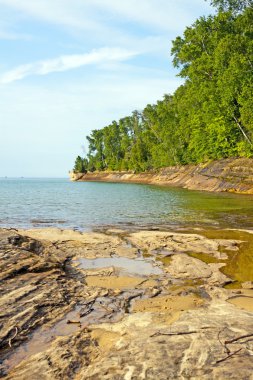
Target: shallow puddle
167	304
123	265
41	339
243	302
122	282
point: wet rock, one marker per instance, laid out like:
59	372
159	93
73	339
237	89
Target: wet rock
183	267
64	360
99	272
15	240
34	289
217	278
247	285
83	244
182	243
167	326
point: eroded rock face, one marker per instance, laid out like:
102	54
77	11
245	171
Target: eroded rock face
231	175
247	285
145	346
180	242
183	266
35	287
62	321
144	352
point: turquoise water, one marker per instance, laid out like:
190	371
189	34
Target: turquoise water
29	203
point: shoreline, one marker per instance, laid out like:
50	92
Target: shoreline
65	301
233	175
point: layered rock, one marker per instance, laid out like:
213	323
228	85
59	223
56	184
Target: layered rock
63	321
230	175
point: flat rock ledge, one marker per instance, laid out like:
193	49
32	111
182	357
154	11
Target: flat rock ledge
60	320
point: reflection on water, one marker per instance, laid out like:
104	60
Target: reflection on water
123	264
60	203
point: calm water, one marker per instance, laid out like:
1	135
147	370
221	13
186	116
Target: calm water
124	265
60	203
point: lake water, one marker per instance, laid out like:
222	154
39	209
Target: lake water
32	203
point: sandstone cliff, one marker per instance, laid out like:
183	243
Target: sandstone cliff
232	175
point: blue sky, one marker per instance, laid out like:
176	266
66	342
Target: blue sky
68	67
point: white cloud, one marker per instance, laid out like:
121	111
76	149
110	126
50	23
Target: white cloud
93	15
161	14
144	25
46	121
75	14
67	62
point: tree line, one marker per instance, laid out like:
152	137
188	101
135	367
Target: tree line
209	117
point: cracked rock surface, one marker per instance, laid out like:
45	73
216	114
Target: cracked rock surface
63	320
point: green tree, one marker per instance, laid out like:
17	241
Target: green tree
96	150
232	5
210	116
81	165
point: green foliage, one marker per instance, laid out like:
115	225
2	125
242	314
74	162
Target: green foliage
81	165
231	5
209	117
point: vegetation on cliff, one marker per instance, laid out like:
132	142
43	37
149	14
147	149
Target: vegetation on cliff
209	117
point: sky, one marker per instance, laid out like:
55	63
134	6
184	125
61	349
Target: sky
68	67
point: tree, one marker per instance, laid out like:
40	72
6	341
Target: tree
208	117
96	150
215	57
231	5
81	165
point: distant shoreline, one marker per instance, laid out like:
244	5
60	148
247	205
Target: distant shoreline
227	175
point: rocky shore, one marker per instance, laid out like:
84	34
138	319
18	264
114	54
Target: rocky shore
117	304
231	175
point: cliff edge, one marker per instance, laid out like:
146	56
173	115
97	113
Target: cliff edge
229	175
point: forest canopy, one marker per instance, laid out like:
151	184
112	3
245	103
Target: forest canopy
209	117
